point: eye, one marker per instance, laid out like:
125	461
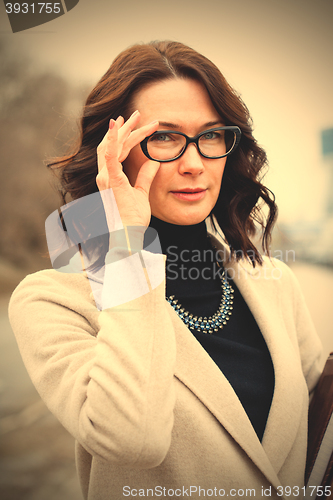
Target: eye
210	135
157	137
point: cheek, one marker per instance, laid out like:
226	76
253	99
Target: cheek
130	171
222	167
218	176
159	186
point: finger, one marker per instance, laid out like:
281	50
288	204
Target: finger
120	121
101	151
102	179
128	126
106	144
111	145
146	176
107	152
141	133
136	137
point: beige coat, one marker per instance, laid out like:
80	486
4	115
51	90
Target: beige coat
152	414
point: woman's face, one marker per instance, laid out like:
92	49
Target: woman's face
182	105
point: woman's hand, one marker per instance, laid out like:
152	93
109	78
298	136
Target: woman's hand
132	201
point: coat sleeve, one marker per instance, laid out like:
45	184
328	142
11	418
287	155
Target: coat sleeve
107	376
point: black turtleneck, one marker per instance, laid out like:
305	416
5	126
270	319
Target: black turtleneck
239	349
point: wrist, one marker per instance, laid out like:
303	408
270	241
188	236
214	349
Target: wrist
130	238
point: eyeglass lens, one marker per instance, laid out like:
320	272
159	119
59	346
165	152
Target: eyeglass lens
165	146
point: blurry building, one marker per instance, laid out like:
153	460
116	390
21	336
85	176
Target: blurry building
327	151
313	241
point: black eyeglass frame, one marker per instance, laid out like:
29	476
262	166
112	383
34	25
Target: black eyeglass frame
233	128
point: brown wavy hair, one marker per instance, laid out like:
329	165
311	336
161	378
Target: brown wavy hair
238	210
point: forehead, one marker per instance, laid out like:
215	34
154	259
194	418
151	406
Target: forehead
179	101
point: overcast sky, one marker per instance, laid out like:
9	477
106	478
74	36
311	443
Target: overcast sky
276	53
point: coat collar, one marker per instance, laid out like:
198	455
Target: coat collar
221	400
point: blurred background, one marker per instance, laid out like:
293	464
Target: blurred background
277	54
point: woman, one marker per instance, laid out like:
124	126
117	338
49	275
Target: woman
205	393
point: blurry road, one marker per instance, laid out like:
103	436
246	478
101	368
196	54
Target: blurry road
37	454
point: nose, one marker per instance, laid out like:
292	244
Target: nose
191	162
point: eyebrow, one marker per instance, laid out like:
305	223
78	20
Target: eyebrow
177	126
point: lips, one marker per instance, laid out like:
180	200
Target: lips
189	194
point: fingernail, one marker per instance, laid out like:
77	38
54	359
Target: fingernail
111	124
153	123
135	113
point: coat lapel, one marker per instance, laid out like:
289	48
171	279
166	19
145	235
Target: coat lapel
261	288
264	302
219	397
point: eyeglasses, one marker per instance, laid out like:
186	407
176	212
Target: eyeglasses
168	145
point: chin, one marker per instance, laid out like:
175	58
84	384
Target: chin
185	219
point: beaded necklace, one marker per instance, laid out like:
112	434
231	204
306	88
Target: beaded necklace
213	323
